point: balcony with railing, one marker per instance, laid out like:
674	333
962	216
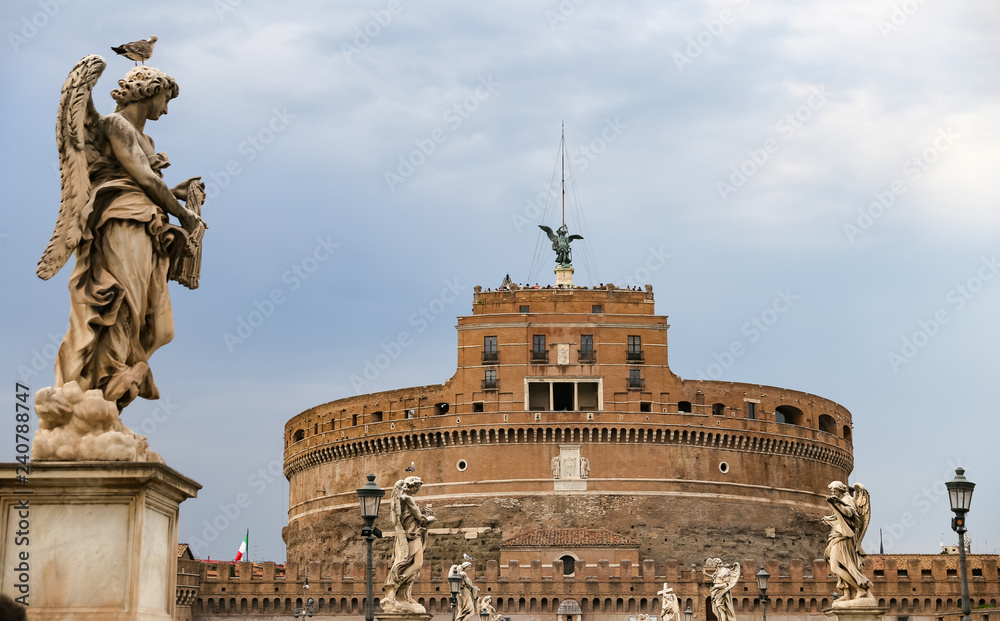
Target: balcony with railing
491	384
636	383
539	357
635	356
587	356
491	357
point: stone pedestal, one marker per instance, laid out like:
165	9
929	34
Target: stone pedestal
92	541
403	616
564	276
856	610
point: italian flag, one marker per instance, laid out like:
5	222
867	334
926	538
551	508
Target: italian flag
243	547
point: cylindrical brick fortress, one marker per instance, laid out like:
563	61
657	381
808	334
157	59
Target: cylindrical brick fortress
563	413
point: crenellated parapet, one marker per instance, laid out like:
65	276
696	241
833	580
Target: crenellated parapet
797	588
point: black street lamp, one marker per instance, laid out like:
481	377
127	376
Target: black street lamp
688	613
484	614
306	611
960	496
454	584
370	496
762	578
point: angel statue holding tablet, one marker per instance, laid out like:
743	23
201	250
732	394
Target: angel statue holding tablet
114	216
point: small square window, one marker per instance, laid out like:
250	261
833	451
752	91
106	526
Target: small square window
525	309
645	406
597	308
477	406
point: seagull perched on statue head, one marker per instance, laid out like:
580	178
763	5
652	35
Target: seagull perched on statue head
412	467
136	50
466	556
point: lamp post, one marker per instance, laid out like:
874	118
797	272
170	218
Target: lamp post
370	496
688	613
484	614
454	584
307	611
960	496
762	578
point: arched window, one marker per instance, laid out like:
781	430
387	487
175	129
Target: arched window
788	414
847	432
569	564
299	435
827	424
718	409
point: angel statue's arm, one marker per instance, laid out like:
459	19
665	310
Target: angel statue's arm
125	144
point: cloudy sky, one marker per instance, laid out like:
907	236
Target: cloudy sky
362	157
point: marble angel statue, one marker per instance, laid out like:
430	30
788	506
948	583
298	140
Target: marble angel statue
114	216
410	524
723	580
848	524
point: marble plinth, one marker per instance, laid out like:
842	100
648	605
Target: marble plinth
855	610
564	276
403	616
92	540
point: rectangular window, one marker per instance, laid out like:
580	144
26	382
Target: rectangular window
751	410
596	309
490	349
538	396
538	351
477	406
376	417
634	349
525	309
587	349
645	406
354	422
635	379
538	343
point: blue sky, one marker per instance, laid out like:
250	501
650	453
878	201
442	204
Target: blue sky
362	157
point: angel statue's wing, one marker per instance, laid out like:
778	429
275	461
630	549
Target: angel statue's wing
548	231
734	576
75	127
863	504
572	237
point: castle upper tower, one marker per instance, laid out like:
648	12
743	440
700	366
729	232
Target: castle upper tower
563	412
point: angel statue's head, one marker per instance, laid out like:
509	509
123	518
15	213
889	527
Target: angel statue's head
143	82
836	487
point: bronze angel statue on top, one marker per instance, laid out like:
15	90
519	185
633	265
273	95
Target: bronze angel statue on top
848	524
560	243
114	215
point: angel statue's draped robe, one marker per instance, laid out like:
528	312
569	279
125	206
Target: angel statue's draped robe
120	308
